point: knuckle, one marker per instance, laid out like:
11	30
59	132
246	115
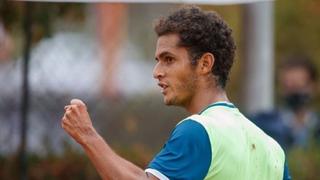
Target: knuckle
75	106
68	116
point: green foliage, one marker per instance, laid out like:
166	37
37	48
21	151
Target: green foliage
44	14
297	27
305	163
70	165
297	30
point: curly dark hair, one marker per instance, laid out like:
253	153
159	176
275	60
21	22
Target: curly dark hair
201	32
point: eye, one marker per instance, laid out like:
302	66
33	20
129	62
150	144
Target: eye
169	59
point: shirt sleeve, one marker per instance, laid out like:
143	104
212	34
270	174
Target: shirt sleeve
186	155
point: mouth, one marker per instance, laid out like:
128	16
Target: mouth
163	86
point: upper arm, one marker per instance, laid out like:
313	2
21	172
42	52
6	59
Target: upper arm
188	145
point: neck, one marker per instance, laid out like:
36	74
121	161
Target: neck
204	98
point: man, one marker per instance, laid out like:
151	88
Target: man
294	124
194	54
298	77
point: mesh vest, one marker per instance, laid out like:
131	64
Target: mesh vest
240	150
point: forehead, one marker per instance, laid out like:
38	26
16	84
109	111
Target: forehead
167	43
295	73
294	78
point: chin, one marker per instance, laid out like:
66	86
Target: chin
166	102
170	102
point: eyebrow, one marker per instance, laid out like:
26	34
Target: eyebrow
161	55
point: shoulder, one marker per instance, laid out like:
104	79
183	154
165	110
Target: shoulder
188	145
189	128
188	133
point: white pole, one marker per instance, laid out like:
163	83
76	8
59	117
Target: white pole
258	86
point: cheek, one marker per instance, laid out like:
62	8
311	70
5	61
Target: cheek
187	85
183	79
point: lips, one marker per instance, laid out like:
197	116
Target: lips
163	86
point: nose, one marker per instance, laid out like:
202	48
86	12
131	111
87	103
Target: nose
157	71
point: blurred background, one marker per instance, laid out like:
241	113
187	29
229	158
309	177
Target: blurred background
103	53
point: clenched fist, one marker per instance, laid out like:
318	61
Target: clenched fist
76	121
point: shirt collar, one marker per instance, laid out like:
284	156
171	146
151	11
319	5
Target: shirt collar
219	103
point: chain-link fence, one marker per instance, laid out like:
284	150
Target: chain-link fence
67	64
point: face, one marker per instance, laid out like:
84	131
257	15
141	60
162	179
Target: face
297	88
295	80
174	72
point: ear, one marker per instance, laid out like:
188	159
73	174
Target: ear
206	63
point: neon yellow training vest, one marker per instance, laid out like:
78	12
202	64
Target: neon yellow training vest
240	150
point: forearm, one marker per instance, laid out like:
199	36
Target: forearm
77	123
108	164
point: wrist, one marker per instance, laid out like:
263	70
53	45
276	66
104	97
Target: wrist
89	138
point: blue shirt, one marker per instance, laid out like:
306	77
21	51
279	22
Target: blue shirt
187	153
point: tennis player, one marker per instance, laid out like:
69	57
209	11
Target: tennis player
194	54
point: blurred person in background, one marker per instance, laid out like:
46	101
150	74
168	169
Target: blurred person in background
111	25
294	124
194	54
6	44
298	77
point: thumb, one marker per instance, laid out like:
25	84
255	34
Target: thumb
77	102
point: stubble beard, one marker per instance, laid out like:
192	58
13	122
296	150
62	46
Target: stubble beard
189	89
